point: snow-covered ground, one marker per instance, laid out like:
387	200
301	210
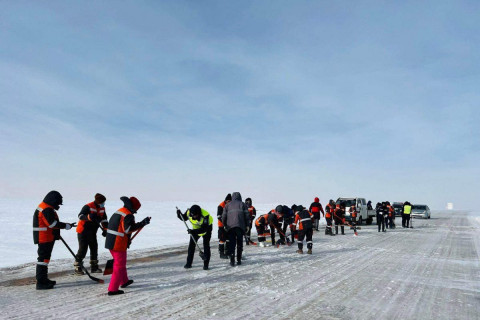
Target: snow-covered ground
164	230
429	272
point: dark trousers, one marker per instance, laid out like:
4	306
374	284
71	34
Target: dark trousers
339	222
206	248
235	236
328	228
308	233
222	238
380	222
44	253
407	220
86	241
261	233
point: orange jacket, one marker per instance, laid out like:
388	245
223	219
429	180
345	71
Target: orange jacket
100	212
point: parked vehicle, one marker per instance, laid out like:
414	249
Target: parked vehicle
363	215
421	211
398	206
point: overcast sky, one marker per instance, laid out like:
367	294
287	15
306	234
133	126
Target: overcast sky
280	100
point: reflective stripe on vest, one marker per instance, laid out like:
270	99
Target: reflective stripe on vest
40	229
306	219
53	224
120	234
120	213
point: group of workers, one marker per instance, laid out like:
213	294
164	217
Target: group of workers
386	215
235	220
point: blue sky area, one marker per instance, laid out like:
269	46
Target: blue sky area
280	100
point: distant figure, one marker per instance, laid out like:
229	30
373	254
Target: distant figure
407	209
235	218
288	221
304	220
315	209
272	220
339	218
92	216
329	211
222	234
379	208
252	214
369	205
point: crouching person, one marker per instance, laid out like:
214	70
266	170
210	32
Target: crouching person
46	229
120	227
304	219
202	223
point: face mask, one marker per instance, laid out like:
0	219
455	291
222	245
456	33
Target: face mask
101	205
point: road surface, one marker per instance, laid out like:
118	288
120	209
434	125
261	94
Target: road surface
429	272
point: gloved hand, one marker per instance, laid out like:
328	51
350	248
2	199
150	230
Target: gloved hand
68	226
146	221
180	215
104	233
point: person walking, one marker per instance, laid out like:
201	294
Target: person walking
46	229
315	209
91	217
202	226
235	218
120	227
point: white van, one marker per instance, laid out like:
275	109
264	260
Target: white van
361	205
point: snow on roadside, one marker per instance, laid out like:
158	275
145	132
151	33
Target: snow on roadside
165	230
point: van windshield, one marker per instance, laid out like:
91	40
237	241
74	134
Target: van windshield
348	203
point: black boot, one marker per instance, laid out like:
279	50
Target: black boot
114	293
126	284
94	267
343	230
232	260
205	265
239	257
42	278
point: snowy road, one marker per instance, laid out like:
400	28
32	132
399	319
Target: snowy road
429	272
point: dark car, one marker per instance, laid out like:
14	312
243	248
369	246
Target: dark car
398	206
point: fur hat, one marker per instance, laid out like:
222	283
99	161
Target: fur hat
100	198
228	197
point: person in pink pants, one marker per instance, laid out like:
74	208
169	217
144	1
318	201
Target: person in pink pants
120	227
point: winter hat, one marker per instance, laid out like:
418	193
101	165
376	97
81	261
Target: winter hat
135	204
100	198
279	209
195	210
316	199
228	197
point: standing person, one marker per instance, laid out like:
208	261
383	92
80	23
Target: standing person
353	215
339	217
304	219
222	234
235	219
91	217
379	211
46	229
391	215
329	210
252	212
202	226
315	209
407	209
369	205
119	230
